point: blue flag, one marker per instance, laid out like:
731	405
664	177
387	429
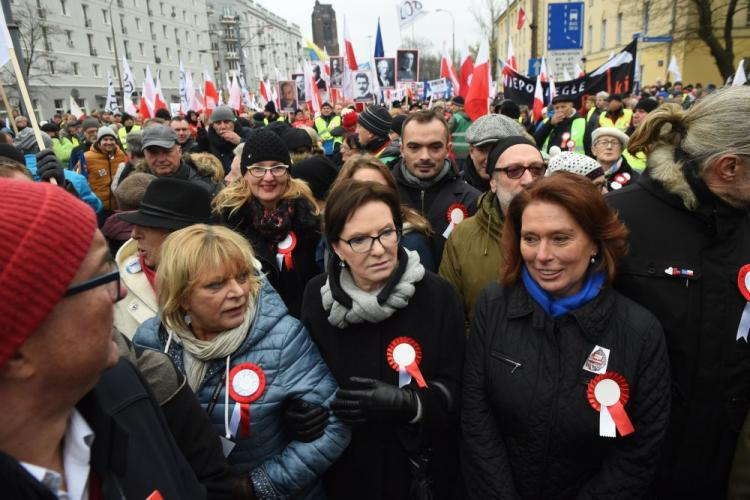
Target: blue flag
379	52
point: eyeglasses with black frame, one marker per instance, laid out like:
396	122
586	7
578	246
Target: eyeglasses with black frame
363	244
276	171
112	279
517	171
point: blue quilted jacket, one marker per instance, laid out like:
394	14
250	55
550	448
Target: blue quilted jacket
279	344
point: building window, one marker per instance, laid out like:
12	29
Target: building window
110	46
45	39
105	16
603	41
161	8
140	49
126	46
618	35
171	75
64	7
59	106
96	69
90	39
138	25
51	67
75	69
164	30
69	37
144	72
169	54
646	16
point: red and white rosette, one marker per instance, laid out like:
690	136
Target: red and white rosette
246	384
608	393
456	215
404	355
284	251
743	282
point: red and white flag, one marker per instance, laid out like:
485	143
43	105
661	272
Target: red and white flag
579	72
521	18
448	72
235	95
511	60
351	60
148	96
467	68
478	96
314	101
159	101
265	90
539	92
210	94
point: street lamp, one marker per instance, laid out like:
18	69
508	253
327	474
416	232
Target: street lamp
453	33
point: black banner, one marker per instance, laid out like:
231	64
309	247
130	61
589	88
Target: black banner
616	76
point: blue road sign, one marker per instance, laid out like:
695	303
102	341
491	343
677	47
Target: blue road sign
565	26
535	65
657	39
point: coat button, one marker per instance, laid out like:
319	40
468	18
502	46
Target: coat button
651	270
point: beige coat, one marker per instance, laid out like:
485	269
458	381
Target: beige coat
140	303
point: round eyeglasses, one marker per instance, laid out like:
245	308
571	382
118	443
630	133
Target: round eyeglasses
276	171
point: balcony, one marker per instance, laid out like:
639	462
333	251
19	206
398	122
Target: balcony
230	37
232	56
87	23
229	19
92	51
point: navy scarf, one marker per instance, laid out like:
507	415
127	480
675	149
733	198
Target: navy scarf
558	307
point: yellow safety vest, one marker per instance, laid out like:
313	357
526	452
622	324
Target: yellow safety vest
622	122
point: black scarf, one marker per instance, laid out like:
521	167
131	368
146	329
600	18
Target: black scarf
272	225
218	143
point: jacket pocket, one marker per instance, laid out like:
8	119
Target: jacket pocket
504	358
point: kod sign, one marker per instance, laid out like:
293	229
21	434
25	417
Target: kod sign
565	26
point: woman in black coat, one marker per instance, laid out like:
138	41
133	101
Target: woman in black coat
276	213
566	386
392	335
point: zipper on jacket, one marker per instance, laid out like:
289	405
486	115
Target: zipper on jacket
505	359
421	197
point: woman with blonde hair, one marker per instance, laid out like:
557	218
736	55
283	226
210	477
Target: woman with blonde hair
276	213
245	357
417	229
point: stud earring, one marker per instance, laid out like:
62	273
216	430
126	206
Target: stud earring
593	259
342	264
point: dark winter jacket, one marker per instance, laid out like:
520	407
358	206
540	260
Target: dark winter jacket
117	232
528	429
700	313
624	176
290	283
190	172
376	463
213	143
435	201
133	454
472	177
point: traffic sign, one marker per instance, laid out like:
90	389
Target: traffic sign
657	39
535	65
565	26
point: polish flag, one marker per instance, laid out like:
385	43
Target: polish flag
448	72
511	60
521	18
478	95
148	96
235	95
159	102
467	67
210	95
539	92
349	48
265	93
579	72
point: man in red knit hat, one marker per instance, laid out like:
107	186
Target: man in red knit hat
79	422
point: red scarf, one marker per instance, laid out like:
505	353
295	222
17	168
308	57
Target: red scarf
150	273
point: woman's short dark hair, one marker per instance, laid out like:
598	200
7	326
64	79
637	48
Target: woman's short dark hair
349	195
581	199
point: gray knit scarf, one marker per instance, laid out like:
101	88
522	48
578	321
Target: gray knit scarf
412	180
365	307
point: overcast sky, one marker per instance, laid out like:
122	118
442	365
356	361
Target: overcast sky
362	18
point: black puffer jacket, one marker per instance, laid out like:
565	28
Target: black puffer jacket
290	283
529	431
700	314
211	142
435	201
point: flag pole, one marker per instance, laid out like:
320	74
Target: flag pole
7	108
26	99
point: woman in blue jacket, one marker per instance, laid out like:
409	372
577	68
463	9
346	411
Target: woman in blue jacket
244	356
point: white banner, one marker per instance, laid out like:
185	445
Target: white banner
111	104
6	45
409	11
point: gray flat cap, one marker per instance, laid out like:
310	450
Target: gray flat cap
159	135
492	128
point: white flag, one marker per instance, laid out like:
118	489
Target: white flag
128	87
75	109
674	69
408	12
111	104
6	44
184	100
739	77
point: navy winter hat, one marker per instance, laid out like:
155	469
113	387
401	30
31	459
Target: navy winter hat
376	119
263	145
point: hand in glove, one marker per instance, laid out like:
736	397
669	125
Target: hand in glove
305	421
374	401
48	167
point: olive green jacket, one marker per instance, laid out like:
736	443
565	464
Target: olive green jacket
472	257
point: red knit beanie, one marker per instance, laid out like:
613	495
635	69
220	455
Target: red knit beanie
45	233
349	121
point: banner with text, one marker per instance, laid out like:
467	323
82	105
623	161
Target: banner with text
616	76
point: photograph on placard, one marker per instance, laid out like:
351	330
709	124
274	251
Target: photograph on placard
363	90
337	72
288	95
299	80
407	65
318	75
385	68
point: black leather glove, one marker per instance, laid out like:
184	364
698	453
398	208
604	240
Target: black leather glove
48	167
305	421
374	401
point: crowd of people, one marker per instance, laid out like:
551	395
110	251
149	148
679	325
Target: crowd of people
380	302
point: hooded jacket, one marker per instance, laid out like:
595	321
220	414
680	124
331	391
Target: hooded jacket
293	368
683	265
472	255
434	201
101	169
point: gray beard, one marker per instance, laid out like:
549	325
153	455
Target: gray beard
503	198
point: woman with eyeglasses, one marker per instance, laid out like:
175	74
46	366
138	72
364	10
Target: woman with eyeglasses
276	213
566	389
607	146
392	335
